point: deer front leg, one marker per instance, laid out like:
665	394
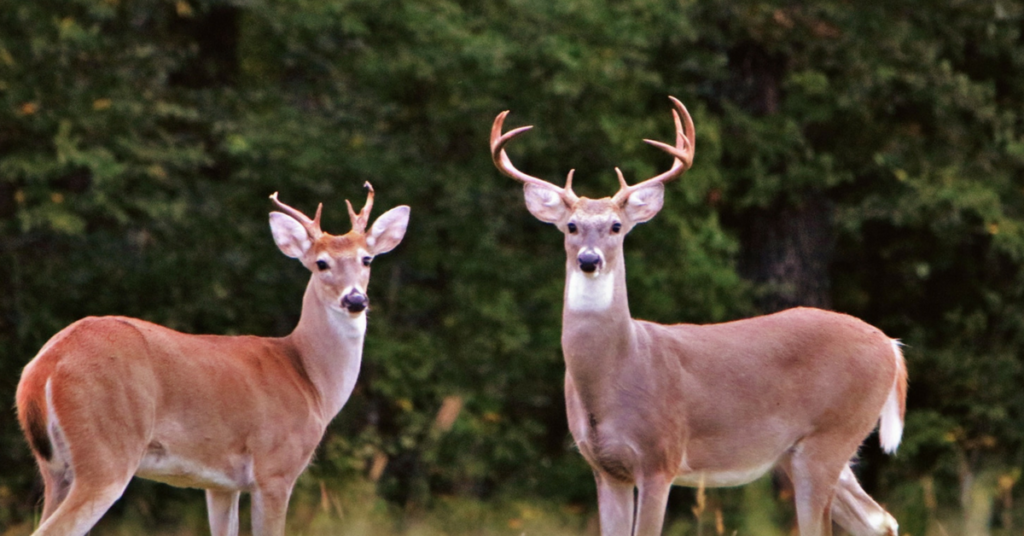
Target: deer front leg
652	498
857	512
222	511
615	506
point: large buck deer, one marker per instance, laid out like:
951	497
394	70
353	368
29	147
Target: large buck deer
112	397
651	405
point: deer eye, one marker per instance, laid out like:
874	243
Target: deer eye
616	227
321	265
572	228
367	260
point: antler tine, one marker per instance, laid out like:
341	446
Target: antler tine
360	220
622	180
683	151
312	226
316	217
504	164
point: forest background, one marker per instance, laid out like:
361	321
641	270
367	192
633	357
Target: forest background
866	157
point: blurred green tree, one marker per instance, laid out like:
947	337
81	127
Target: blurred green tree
865	157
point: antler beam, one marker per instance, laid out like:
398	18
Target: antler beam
683	151
504	164
312	226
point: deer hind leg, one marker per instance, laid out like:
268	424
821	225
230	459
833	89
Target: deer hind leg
222	511
56	484
84	505
71	504
614	505
90	465
857	512
813	470
79	493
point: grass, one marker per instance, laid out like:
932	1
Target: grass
354	509
318	510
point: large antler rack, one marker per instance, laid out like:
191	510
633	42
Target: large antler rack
312	226
502	162
360	220
683	151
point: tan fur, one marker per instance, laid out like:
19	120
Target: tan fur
652	405
226	414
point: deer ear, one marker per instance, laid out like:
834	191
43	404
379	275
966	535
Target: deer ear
544	203
643	203
388	231
291	237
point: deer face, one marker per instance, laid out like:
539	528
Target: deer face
594	228
341	268
593	235
340	264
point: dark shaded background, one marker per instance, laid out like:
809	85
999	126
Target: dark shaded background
860	156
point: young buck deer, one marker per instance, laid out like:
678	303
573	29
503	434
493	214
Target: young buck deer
112	397
651	405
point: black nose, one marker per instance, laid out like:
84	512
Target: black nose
355	302
588	261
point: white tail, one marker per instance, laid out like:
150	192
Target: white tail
652	405
112	397
890	423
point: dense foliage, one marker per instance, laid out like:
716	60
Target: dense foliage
867	157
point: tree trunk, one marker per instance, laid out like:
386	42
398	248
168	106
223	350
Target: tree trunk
787	248
787	253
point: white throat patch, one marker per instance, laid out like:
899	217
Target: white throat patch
347	325
590	293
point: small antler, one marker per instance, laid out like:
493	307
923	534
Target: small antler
360	220
683	152
312	226
502	162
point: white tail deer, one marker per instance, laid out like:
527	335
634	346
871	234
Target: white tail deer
651	405
112	397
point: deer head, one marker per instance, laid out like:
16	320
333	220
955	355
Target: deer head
594	228
340	264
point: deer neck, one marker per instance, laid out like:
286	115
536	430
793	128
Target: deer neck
597	330
330	345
